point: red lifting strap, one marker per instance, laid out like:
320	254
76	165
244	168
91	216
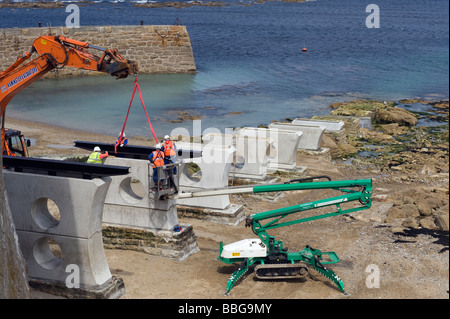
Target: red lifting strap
136	85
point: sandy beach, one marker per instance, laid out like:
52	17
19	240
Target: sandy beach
53	141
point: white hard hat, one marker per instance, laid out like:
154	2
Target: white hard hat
97	149
158	146
123	135
167	137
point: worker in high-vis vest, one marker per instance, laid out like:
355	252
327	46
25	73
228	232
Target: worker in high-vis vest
170	152
157	159
97	157
121	140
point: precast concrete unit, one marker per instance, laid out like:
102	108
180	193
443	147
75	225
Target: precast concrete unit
135	219
252	154
311	135
283	146
130	201
59	225
331	126
211	171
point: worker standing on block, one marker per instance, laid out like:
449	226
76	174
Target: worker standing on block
170	152
122	141
97	157
157	159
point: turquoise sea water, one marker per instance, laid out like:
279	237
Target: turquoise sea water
249	62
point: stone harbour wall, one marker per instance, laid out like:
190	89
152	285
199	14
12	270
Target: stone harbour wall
156	48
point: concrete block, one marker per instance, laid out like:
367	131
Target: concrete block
311	137
129	201
283	146
251	156
214	166
134	210
29	195
366	122
352	124
331	126
87	254
62	243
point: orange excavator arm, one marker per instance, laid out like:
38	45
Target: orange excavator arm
57	52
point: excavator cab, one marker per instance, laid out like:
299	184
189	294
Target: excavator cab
17	145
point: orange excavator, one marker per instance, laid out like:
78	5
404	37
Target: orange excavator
54	52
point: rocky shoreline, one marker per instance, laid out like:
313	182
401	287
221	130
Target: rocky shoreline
42	5
179	4
168	4
400	151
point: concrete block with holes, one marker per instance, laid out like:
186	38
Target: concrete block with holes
134	219
311	134
59	225
129	200
283	146
211	171
207	172
251	156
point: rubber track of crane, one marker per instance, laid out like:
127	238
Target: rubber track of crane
327	273
281	267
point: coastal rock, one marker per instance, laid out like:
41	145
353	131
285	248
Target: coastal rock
41	4
395	213
180	4
442	221
375	137
396	115
381	112
359	108
420	207
393	129
410	223
329	143
427	223
352	112
347	150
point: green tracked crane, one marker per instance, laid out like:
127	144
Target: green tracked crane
272	260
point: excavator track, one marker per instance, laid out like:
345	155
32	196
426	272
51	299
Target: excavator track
281	271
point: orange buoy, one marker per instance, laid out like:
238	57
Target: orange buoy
304	49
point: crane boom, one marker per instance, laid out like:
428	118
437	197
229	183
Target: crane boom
362	194
56	52
274	261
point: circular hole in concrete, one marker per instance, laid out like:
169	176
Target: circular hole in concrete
46	213
47	253
132	190
193	171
